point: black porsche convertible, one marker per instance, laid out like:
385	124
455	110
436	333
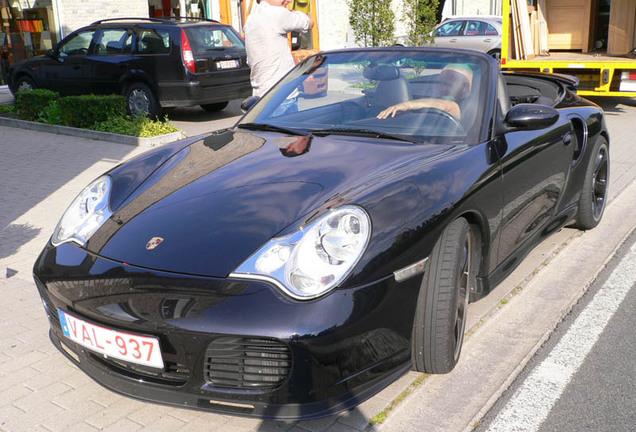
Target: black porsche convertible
297	263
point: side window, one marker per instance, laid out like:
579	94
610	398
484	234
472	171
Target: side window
452	28
151	41
474	28
78	44
490	30
114	41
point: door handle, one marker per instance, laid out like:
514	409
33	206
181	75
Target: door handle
567	139
488	40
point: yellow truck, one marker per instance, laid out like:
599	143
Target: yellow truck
592	40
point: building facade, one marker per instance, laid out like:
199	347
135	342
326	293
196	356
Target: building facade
31	27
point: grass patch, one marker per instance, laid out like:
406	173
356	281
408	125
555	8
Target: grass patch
7	109
135	126
381	417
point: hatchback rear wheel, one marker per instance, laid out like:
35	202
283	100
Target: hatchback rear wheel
141	101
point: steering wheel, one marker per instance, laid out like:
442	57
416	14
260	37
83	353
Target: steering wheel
432	111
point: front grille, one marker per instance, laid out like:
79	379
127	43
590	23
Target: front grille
246	363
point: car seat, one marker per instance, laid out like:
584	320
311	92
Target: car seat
392	88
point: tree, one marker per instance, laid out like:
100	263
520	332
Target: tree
420	17
372	22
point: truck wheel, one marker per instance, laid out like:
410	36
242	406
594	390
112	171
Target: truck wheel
595	187
141	101
214	107
442	305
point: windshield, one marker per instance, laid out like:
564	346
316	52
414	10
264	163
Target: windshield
415	94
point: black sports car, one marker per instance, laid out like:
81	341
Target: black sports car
294	265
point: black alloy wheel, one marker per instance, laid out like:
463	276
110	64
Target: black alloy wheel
595	187
442	305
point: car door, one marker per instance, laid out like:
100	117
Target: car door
69	74
478	35
111	59
535	167
449	34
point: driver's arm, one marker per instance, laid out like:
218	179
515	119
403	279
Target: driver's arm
449	106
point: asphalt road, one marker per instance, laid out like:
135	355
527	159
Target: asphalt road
583	378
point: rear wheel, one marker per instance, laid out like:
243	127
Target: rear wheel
595	187
141	101
214	107
496	54
442	305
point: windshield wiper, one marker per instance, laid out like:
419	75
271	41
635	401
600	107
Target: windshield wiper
361	132
272	128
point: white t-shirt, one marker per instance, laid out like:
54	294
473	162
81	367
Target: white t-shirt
268	53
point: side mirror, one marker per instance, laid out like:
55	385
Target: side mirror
248	103
531	117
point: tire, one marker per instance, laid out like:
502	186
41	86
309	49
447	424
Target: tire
442	305
595	187
24	83
214	107
496	54
141	101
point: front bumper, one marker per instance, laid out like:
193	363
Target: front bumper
341	349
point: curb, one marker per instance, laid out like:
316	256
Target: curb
91	134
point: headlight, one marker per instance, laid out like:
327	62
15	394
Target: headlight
314	259
85	214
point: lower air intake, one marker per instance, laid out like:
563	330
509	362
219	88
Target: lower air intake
246	363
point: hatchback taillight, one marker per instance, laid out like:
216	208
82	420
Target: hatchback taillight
186	53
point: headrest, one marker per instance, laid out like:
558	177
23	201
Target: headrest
461	76
376	72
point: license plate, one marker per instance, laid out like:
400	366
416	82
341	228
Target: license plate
227	64
133	348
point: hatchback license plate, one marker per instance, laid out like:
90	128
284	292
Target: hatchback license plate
133	348
227	64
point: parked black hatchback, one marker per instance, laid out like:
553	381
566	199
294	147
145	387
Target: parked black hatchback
155	63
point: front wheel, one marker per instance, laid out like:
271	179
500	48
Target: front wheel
141	101
595	187
442	305
24	83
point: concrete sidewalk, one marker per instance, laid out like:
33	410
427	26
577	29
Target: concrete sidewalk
41	173
6	97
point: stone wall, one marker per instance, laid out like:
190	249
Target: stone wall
74	14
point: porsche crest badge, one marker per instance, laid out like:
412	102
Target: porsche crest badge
153	243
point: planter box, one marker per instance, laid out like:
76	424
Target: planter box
91	134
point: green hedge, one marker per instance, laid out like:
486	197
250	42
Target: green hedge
84	111
102	113
29	104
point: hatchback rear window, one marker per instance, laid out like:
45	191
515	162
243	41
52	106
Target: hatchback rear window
213	38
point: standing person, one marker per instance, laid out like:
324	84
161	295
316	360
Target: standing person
268	53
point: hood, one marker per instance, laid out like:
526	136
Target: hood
214	202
